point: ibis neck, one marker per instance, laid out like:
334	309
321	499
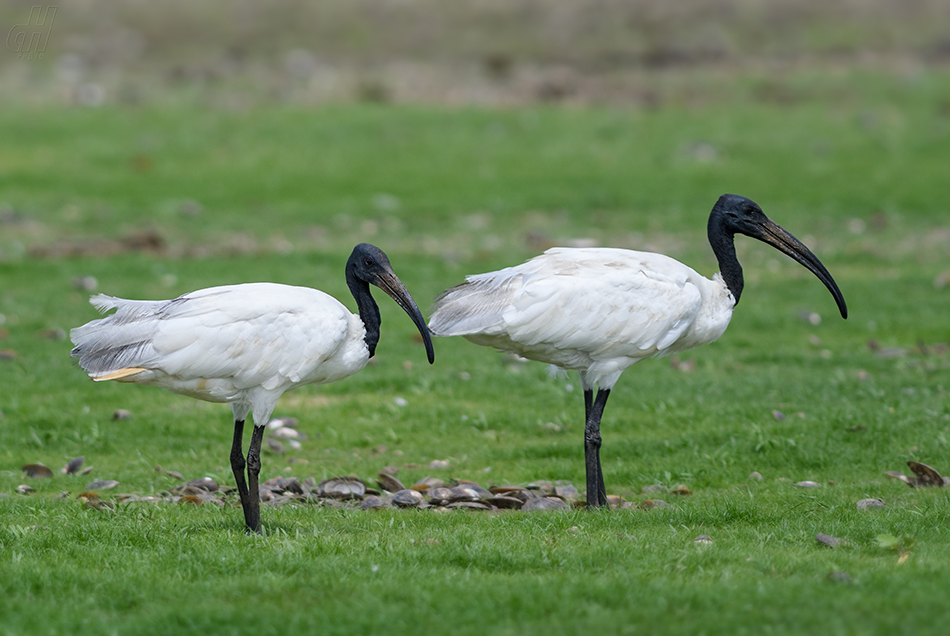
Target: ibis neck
724	247
368	310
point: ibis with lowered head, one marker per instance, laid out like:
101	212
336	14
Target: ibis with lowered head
598	311
244	345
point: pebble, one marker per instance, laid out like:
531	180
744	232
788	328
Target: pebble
864	504
544	503
36	470
102	484
828	540
73	465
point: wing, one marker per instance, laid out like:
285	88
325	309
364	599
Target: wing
255	334
595	302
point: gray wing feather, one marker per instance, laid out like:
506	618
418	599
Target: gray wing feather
123	339
475	306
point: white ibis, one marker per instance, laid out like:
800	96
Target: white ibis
245	345
597	311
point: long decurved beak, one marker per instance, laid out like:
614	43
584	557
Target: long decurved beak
776	236
390	283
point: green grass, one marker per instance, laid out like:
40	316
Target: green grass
284	195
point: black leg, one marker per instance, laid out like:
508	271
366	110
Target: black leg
252	510
237	467
596	491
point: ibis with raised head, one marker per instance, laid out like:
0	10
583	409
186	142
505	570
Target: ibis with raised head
244	345
597	311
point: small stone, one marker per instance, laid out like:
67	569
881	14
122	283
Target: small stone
650	504
408	498
372	502
23	489
388	482
440	496
681	489
462	493
808	484
544	503
285	432
778	415
568	493
471	485
654	488
204	483
85	283
703	539
439	464
755	476
828	540
840	577
282	422
341	488
926	476
864	504
614	502
102	484
501	501
73	466
469	505
427	483
36	470
121	414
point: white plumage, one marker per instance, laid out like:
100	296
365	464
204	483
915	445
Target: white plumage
241	344
245	345
598	311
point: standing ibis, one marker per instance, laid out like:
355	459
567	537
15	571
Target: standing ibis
245	345
597	311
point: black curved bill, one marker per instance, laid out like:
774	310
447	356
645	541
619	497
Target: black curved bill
390	283
776	236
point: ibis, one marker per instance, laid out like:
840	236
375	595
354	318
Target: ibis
597	311
244	345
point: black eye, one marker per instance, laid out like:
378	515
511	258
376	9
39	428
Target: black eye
367	261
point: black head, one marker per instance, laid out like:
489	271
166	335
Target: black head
739	215
366	262
369	265
734	214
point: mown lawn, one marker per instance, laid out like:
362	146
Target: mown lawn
854	165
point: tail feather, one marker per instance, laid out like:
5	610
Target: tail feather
121	340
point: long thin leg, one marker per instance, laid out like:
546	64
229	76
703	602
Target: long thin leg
596	491
252	510
237	467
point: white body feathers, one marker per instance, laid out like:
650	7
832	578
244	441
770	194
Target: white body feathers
241	344
596	311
